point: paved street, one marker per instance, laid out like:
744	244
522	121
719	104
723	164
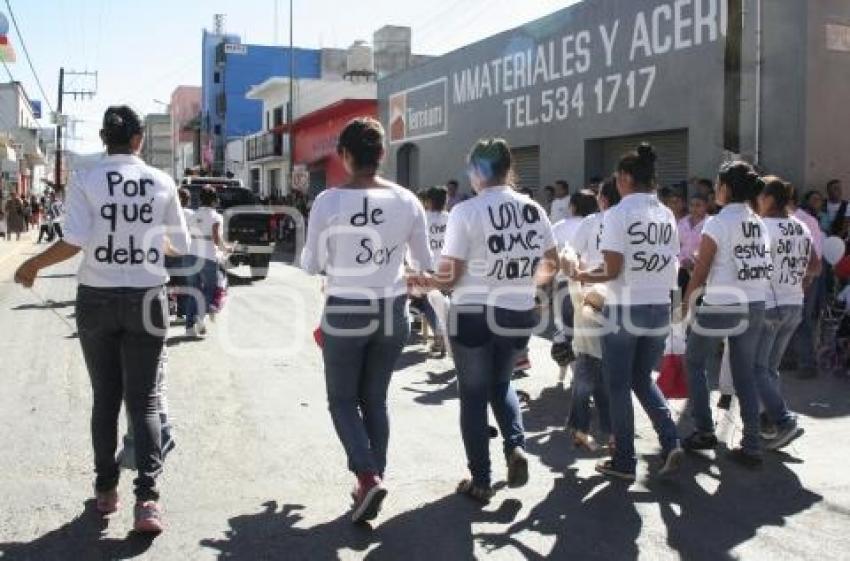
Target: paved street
258	472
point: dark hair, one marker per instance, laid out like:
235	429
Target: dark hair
777	188
185	196
699	196
640	164
363	138
120	125
610	192
743	182
807	198
526	191
584	203
707	183
564	184
549	188
452	182
492	159
832	182
208	196
437	196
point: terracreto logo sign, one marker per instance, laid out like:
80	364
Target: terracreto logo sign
419	112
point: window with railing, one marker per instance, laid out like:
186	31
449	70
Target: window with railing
264	145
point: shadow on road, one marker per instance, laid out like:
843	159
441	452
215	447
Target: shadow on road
81	538
441	530
446	388
48	305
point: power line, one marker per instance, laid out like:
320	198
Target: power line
29	59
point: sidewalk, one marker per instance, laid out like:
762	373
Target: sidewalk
10	250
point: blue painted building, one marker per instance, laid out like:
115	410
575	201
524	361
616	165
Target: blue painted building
229	69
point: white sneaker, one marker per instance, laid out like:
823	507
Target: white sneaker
201	327
197	331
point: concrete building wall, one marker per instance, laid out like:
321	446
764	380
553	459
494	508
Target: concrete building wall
666	77
828	94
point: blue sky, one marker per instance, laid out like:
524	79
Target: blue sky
143	49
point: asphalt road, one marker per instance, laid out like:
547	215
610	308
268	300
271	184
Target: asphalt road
258	473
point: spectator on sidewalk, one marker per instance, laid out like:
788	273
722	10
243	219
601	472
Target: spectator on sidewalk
122	311
803	341
560	207
837	208
15	218
453	197
690	234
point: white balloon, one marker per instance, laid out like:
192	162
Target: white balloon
833	250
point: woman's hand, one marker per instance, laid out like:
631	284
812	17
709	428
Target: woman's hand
27	273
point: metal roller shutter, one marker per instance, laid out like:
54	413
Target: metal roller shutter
671	147
526	162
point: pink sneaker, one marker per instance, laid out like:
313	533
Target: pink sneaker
107	501
368	496
148	518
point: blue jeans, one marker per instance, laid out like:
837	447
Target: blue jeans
588	381
628	358
780	323
363	339
485	359
204	279
804	336
722	321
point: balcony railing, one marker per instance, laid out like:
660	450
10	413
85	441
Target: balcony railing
264	145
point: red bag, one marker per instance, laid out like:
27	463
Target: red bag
673	381
842	268
319	337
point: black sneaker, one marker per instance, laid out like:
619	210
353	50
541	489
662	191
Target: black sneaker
607	468
751	460
700	441
785	436
672	462
767	427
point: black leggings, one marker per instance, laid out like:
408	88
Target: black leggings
122	333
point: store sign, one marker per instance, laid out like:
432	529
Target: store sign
235	49
838	37
36	108
419	112
592	68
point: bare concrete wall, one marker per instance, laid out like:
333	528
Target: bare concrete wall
827	154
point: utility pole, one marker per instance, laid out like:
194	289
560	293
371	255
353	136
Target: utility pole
291	115
57	179
79	92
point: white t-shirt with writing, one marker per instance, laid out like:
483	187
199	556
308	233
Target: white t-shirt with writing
437	222
742	266
790	249
359	239
501	235
119	211
644	232
201	227
587	239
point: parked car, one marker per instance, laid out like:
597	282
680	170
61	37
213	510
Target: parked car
248	225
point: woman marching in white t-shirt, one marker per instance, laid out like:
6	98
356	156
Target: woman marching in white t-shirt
498	249
734	265
121	215
795	265
639	246
358	237
205	225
